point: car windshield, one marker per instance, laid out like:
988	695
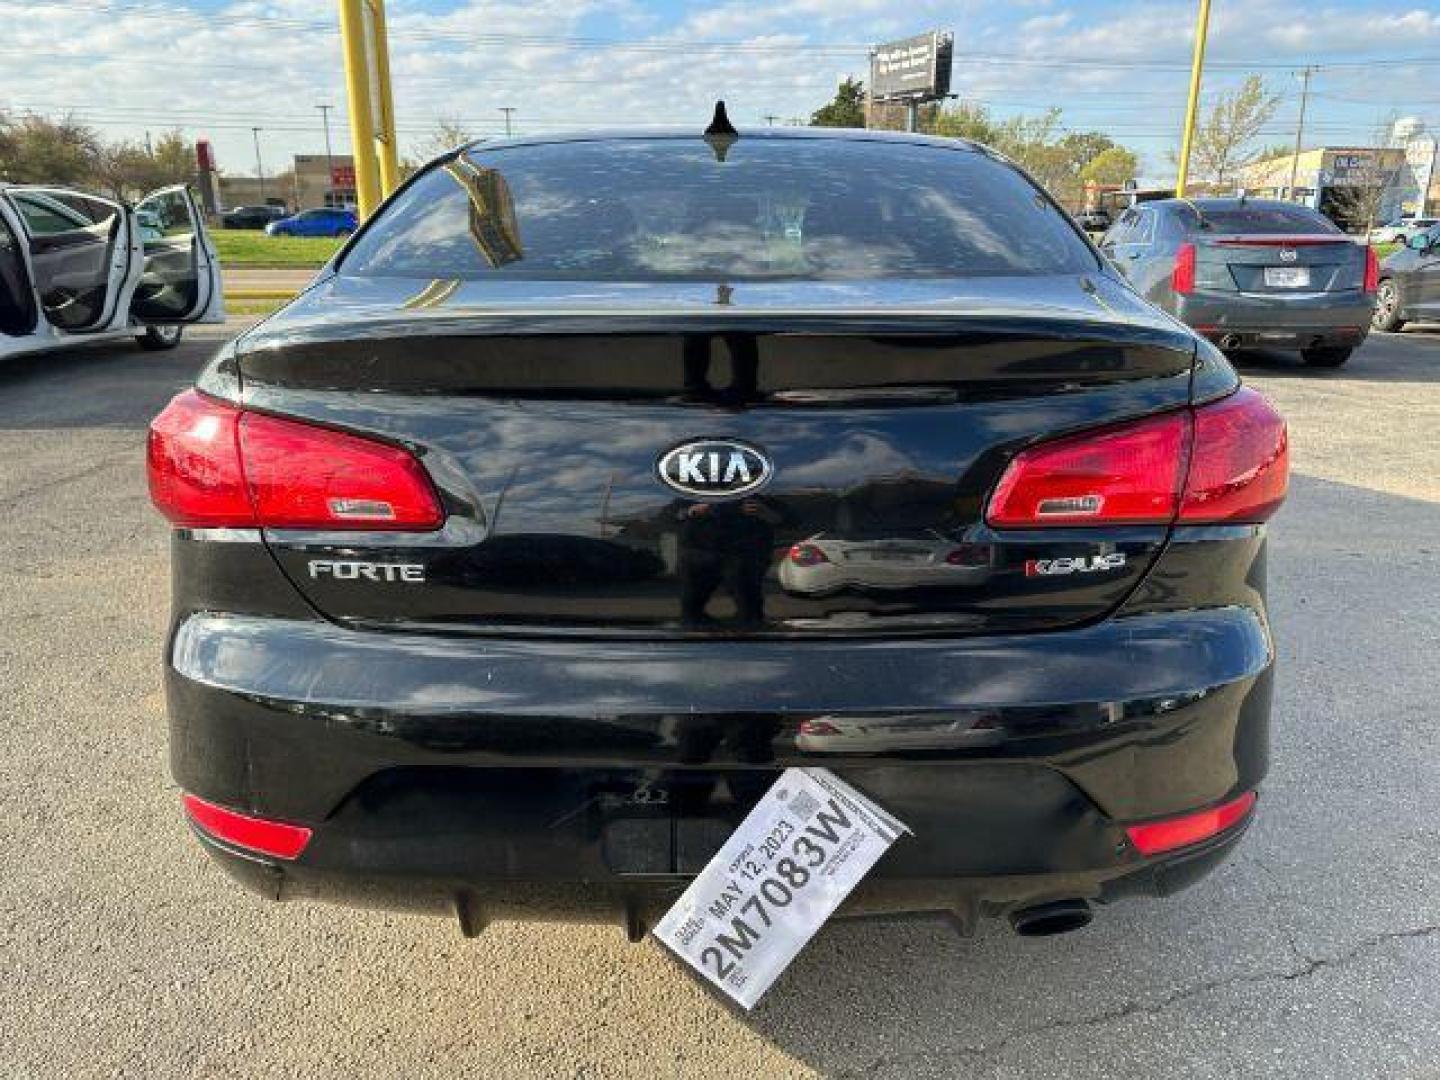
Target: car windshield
680	209
1290	220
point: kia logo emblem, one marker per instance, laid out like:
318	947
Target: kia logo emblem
1288	254
714	468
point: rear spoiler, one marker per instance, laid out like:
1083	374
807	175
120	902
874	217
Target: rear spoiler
1277	240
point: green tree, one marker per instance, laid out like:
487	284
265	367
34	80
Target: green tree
128	170
1033	143
37	150
846	111
1113	165
1225	137
966	120
1061	161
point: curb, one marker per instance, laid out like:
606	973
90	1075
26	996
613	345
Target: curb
260	294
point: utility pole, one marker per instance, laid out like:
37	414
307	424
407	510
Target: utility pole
259	168
770	119
507	110
870	94
329	154
1305	74
389	153
1430	179
355	43
1192	107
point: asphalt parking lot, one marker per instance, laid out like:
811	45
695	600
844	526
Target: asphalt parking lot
1314	953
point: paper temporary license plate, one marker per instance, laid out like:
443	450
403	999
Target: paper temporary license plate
797	855
1287	277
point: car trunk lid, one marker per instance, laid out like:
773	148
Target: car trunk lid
1279	264
886	414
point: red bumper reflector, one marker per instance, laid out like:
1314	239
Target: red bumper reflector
276	838
1155	837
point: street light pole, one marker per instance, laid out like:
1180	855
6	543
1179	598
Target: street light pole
259	167
329	154
1305	74
507	110
1192	107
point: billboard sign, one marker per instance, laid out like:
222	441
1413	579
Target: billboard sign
1361	168
915	69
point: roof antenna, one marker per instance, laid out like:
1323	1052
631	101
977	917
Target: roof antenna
721	134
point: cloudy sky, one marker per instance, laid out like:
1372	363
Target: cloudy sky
216	69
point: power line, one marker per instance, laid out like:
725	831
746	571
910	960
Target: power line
689	46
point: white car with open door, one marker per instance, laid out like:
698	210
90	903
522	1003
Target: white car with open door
76	267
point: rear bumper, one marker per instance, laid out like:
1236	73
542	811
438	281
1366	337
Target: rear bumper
1325	319
591	779
636	903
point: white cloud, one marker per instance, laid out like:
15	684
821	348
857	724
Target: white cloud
129	65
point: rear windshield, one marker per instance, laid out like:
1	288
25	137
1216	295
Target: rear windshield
678	209
1289	220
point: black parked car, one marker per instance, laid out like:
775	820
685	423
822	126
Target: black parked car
1409	286
251	217
400	673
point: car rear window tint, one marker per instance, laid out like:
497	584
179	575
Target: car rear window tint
1286	220
676	209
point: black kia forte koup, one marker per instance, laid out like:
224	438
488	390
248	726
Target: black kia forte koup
598	480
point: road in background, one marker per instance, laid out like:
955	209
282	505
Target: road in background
1314	953
287	279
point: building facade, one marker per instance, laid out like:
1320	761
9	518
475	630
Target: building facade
311	180
1358	186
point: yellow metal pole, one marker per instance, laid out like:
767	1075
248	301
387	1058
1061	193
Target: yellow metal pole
385	122
1197	66
357	89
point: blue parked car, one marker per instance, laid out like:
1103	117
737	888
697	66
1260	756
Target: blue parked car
319	222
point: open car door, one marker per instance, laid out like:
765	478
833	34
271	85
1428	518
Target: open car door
19	310
82	262
180	282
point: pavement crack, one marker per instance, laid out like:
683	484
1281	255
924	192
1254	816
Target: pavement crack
1306	967
58	481
1314	964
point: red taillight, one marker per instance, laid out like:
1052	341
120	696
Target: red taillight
193	463
304	477
1372	270
1128	474
277	838
807	555
1182	278
1238	471
213	465
1156	837
1240	466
